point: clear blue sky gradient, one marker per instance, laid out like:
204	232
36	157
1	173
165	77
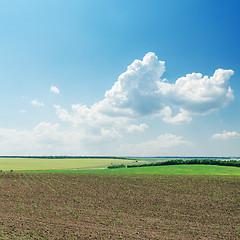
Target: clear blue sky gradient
82	47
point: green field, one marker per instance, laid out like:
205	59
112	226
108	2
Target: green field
174	169
170	169
15	164
99	165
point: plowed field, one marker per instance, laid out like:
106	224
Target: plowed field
98	206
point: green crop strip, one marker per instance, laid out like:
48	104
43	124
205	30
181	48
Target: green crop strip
171	169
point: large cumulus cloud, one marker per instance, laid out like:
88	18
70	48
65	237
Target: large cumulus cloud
140	92
135	92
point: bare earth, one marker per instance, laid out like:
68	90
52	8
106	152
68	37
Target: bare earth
91	206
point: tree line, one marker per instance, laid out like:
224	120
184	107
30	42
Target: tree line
233	163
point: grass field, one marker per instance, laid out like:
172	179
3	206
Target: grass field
161	170
178	169
7	164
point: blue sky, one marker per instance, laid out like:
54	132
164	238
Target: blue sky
88	78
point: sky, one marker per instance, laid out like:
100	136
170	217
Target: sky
120	78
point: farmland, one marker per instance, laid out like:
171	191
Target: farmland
118	206
171	170
79	198
7	164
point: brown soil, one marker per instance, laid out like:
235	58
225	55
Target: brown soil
89	206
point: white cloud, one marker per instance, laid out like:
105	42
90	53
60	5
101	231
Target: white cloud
23	111
44	139
110	133
37	103
82	115
94	121
226	135
45	129
182	117
49	139
159	147
54	89
134	94
137	128
199	94
140	92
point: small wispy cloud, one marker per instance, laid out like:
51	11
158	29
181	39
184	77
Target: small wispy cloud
54	89
226	135
22	111
37	103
